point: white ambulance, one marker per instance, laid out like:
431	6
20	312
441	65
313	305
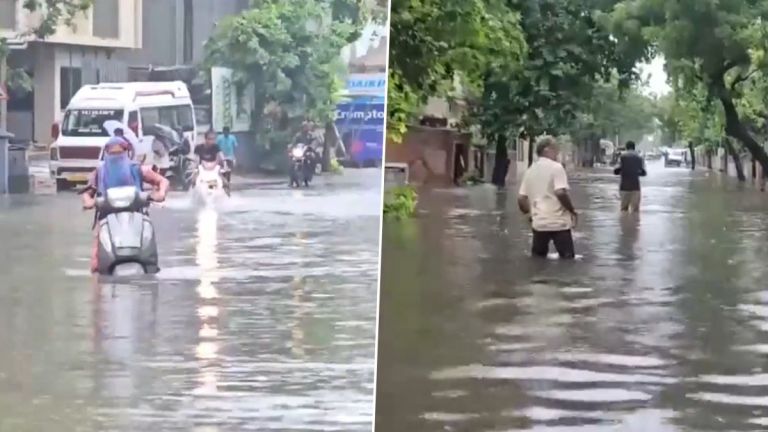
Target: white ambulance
80	137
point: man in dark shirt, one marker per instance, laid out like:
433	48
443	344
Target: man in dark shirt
209	151
631	168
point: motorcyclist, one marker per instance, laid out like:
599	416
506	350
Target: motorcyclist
116	170
209	151
307	137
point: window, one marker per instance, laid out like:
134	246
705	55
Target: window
88	122
8	14
71	79
106	19
133	121
176	117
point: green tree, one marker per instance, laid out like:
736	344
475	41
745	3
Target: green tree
289	51
569	52
719	44
434	43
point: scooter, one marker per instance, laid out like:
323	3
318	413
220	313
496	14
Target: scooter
127	244
209	184
301	169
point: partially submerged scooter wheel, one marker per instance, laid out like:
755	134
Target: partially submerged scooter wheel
128	269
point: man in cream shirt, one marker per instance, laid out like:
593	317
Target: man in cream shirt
544	199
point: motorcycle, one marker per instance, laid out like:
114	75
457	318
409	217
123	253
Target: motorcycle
301	169
209	184
126	236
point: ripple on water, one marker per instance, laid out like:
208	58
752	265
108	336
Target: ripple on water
730	399
546	373
602	395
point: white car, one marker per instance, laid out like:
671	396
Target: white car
675	157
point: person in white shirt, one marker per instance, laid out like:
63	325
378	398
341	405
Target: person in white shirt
544	199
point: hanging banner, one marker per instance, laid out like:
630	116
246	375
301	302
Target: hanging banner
229	108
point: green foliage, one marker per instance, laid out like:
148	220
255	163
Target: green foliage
608	112
556	89
693	116
713	47
400	202
335	167
53	14
289	51
435	42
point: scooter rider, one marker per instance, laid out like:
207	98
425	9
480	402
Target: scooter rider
209	151
307	137
116	170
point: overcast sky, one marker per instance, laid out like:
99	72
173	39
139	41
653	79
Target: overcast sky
658	78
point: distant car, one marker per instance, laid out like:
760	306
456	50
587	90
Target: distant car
652	155
674	158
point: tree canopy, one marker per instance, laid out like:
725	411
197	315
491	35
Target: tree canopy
289	51
434	42
714	47
550	91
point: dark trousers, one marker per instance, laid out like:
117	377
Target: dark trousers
563	241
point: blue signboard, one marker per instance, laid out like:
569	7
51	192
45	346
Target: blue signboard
368	84
361	126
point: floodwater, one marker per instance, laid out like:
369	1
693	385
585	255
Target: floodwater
660	325
262	318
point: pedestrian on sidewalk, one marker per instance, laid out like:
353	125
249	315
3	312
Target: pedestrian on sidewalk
631	168
544	199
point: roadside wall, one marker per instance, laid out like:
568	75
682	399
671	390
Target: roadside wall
722	163
429	153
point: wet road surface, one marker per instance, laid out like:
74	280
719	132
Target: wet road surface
660	325
262	318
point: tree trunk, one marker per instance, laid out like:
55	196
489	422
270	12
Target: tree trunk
501	162
735	128
329	136
736	160
530	151
691	149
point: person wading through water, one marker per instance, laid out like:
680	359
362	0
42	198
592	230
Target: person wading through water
631	168
544	199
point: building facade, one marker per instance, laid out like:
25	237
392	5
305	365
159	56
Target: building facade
117	37
59	65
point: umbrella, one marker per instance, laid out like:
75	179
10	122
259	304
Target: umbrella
138	146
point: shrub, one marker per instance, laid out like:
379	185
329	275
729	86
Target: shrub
400	202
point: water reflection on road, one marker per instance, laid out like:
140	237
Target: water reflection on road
661	326
262	318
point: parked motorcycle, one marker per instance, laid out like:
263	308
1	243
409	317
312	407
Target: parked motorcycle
127	244
301	168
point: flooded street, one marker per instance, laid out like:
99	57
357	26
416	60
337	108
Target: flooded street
262	318
661	324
